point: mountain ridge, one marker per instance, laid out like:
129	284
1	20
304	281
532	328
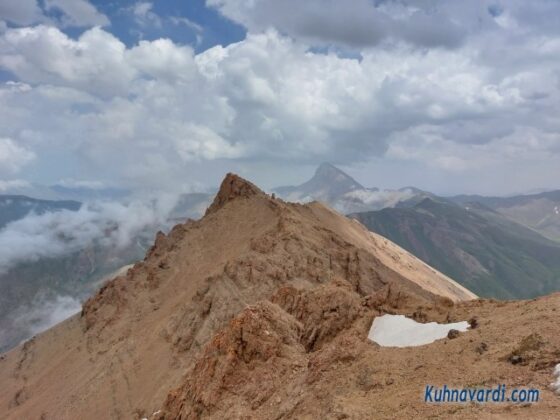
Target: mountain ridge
195	280
261	309
539	212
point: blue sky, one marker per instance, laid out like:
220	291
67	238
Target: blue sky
185	22
208	26
140	94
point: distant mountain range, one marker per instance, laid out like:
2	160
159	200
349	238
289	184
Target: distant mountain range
501	247
342	192
540	212
59	192
478	247
15	207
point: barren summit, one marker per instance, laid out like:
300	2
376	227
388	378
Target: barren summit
261	309
232	187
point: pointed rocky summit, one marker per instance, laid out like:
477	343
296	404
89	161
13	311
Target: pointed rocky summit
232	186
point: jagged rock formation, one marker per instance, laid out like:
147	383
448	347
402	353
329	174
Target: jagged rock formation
232	187
261	310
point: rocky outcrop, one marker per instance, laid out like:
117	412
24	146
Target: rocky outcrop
265	347
232	187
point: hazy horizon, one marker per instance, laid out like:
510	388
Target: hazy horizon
299	176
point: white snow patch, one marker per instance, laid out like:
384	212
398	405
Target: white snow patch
556	384
155	413
400	331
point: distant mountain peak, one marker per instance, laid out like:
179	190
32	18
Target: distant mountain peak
327	171
331	185
326	167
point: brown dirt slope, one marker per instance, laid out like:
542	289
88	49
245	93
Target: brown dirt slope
261	310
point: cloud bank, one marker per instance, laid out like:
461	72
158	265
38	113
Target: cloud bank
107	224
422	86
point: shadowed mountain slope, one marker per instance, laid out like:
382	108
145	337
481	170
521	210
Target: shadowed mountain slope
540	212
480	248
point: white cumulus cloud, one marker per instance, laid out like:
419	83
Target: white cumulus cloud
77	13
13	156
55	234
21	12
157	111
